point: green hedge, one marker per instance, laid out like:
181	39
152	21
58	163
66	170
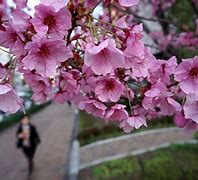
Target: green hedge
15	118
196	135
178	162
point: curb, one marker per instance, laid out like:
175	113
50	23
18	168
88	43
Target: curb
133	153
147	132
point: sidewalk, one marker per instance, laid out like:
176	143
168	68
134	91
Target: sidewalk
122	146
55	125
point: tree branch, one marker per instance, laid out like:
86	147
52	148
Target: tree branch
193	7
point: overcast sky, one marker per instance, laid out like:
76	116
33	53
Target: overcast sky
31	3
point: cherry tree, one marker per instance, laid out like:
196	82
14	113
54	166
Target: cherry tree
101	64
177	31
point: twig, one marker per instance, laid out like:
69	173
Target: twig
94	7
128	12
5	51
110	24
193	7
129	101
152	46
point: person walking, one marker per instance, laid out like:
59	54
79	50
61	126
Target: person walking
28	140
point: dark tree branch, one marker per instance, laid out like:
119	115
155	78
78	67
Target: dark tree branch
193	7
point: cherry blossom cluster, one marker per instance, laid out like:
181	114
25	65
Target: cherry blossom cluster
101	65
161	5
171	35
185	39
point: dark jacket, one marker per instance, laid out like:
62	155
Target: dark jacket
34	137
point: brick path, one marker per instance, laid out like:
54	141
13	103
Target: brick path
54	124
92	154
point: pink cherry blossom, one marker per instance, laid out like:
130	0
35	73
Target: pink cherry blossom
126	127
21	23
175	104
104	58
121	22
180	121
57	4
68	88
3	2
134	45
128	3
90	3
195	1
109	89
137	121
187	75
161	39
21	3
196	24
162	70
141	66
159	98
11	40
100	61
134	121
45	54
3	16
46	20
186	39
129	93
9	101
191	107
162	5
40	86
191	126
88	85
93	107
116	113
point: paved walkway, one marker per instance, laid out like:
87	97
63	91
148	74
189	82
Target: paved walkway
119	147
54	124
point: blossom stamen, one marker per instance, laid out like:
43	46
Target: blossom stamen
194	72
110	85
44	51
104	54
50	21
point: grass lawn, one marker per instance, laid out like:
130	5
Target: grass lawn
178	162
92	129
